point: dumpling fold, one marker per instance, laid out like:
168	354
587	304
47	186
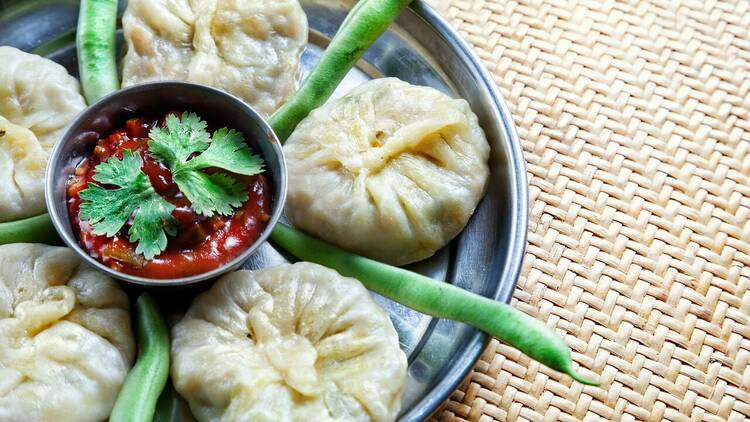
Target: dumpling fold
38	99
392	171
65	339
291	343
249	48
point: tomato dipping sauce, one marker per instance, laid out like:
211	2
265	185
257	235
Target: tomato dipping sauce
201	243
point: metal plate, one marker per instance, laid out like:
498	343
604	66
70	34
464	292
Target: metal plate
422	49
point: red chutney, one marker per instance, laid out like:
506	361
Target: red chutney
201	244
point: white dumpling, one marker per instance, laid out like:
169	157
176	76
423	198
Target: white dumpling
38	94
38	99
392	171
291	343
249	48
65	338
22	161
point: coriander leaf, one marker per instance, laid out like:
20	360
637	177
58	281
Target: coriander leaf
106	209
211	193
109	209
179	139
119	172
148	226
228	151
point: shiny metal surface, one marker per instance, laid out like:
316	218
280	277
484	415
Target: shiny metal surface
110	113
486	258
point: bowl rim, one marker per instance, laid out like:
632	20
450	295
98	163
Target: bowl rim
59	221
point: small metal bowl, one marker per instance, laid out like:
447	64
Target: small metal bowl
110	113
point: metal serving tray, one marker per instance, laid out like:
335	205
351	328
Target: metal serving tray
422	49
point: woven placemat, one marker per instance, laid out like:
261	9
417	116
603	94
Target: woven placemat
635	123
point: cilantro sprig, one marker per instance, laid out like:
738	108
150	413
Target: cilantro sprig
176	145
185	146
109	209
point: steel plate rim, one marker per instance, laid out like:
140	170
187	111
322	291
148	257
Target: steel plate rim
518	210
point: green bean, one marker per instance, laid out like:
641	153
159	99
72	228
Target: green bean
95	42
145	382
362	26
38	229
441	300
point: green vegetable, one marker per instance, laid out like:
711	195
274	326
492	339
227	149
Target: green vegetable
208	193
441	300
362	26
145	382
109	209
38	229
95	41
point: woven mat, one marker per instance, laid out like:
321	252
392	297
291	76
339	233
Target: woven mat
635	123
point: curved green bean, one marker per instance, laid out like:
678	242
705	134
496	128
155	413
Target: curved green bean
37	229
145	382
95	42
362	26
441	300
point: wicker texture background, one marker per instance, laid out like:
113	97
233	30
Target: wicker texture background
635	123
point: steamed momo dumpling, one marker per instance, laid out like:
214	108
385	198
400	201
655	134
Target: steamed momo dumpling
249	48
38	94
392	171
291	343
38	99
22	161
65	339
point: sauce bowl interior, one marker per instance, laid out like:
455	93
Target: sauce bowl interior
111	112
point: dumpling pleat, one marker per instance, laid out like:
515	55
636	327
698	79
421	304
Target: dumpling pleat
413	167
